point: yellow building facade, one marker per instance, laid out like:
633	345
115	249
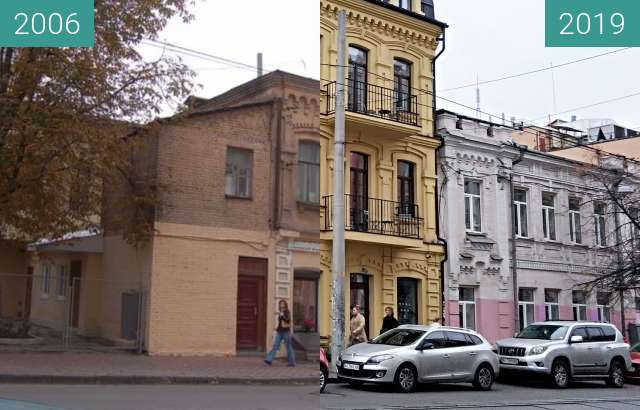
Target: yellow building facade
393	254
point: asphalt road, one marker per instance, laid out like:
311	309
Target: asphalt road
529	395
170	397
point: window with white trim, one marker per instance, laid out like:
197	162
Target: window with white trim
599	211
62	281
238	172
46	279
549	216
602	305
309	172
520	212
525	306
472	213
634	230
551	304
467	308
575	230
579	305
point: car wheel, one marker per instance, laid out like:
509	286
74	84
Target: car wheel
560	376
484	378
616	375
406	378
324	375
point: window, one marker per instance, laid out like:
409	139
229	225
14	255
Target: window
599	221
637	303
467	308
309	172
357	80
46	279
402	84
472	218
574	220
473	339
551	307
305	305
609	333
405	4
634	230
456	339
548	216
520	212
406	188
604	311
525	306
238	173
579	305
580	331
427	8
62	281
437	339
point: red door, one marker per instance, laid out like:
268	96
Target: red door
251	306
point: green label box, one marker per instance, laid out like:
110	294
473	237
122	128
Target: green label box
46	23
592	23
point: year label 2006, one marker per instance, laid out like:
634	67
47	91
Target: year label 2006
585	24
39	24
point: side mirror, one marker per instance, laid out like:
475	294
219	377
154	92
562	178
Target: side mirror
425	346
576	339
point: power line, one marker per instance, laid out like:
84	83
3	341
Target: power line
508	77
591	105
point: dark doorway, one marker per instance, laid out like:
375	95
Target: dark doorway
27	296
360	296
359	200
251	308
75	278
407	301
129	321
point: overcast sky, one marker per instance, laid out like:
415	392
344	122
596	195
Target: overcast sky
488	39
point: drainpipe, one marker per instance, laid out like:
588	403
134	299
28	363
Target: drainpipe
277	162
514	259
443	39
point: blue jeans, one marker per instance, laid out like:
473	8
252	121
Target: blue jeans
286	338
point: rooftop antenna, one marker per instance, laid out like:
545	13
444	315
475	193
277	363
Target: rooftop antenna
503	119
553	84
259	64
478	97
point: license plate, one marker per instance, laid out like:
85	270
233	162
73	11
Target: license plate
509	361
350	366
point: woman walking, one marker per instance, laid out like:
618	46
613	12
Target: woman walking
283	334
389	322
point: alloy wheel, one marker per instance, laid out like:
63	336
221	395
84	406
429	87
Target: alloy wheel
484	378
406	379
560	375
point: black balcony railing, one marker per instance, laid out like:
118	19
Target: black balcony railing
377	216
375	101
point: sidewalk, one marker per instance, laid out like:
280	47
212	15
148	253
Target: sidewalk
125	368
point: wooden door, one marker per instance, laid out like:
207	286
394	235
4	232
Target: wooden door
359	198
76	272
251	304
360	296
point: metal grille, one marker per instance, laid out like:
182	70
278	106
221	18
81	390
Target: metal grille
512	351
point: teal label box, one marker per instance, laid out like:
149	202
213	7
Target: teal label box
592	23
46	23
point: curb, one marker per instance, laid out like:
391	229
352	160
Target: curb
153	380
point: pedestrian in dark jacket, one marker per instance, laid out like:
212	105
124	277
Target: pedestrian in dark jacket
389	322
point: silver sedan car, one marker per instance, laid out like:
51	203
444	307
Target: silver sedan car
412	354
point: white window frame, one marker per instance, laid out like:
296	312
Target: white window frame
469	203
600	222
548	306
577	306
517	214
46	281
63	275
604	311
524	306
547	219
236	175
464	305
575	217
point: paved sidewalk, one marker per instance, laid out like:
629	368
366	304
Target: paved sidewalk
125	368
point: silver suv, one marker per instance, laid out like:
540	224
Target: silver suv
566	350
411	354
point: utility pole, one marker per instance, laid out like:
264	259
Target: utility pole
619	261
337	258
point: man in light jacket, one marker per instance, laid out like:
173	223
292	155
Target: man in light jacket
358	334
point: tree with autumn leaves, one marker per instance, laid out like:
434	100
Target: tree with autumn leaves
71	119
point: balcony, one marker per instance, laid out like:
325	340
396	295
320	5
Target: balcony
377	216
374	101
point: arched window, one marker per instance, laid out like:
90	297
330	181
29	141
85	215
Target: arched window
309	172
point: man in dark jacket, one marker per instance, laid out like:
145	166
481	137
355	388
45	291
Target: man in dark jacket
389	322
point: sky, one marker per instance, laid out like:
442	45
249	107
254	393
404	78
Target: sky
485	40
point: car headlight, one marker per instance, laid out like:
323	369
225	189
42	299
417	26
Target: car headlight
380	358
538	349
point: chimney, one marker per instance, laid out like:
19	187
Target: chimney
259	64
573	118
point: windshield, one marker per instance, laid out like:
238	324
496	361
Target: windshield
398	337
543	332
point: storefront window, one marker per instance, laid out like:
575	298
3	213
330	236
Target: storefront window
305	305
407	301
